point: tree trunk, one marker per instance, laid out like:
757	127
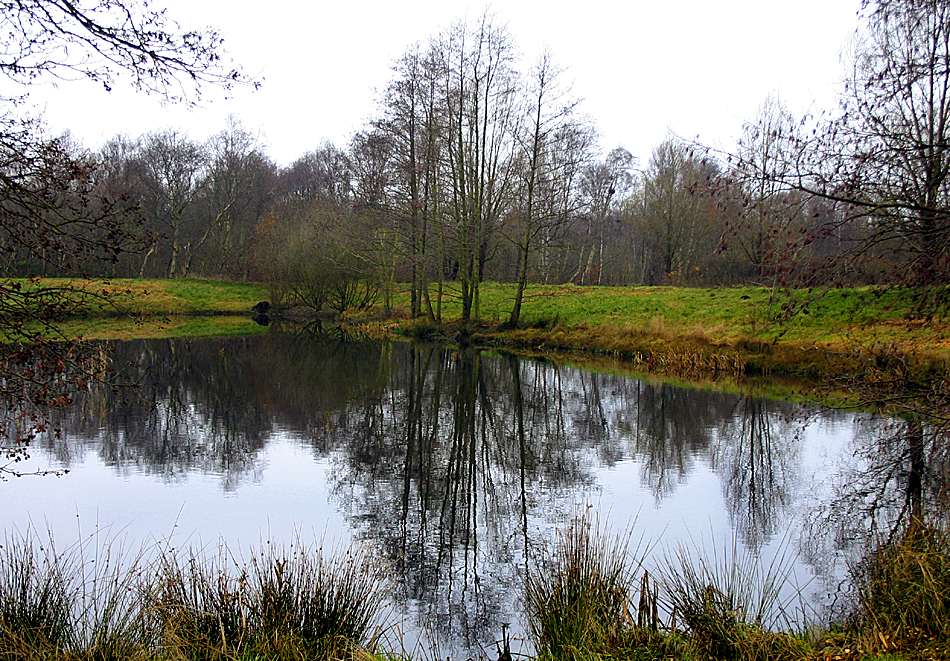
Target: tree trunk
515	316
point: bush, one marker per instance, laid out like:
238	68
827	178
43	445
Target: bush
322	260
279	602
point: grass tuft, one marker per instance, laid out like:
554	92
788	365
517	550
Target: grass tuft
729	602
35	604
578	601
283	602
94	601
903	591
321	600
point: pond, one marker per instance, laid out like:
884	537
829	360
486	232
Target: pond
457	468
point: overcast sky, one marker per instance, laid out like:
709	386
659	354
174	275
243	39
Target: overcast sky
643	68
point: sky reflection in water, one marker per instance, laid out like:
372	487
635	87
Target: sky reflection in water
455	467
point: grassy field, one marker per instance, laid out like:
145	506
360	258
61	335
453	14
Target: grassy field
680	331
159	326
138	296
838	319
124	309
691	332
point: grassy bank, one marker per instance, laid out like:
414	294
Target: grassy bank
160	327
693	332
689	333
122	309
138	296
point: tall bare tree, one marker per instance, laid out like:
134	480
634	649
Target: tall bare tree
554	146
48	199
605	184
882	162
481	98
175	178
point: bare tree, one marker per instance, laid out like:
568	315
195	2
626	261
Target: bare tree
48	201
175	174
605	184
678	212
413	119
881	164
768	213
554	146
480	91
239	189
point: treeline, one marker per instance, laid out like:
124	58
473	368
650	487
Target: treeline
478	166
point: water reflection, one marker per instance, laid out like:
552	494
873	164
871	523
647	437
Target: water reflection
897	477
457	465
755	452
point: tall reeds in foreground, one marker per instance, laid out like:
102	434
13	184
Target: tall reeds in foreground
730	604
35	604
579	600
83	600
592	599
902	592
96	602
284	601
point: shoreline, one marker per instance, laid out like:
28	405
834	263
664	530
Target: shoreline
853	339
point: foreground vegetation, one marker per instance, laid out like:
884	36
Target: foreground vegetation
590	599
98	603
593	600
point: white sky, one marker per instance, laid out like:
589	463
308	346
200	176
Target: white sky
643	67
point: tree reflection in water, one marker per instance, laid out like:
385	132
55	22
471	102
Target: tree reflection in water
755	452
458	465
897	478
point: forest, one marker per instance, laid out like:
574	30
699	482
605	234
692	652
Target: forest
479	166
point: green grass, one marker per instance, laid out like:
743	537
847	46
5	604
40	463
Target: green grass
837	319
856	334
155	296
159	327
684	332
140	308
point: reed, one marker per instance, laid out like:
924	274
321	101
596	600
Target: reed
730	603
579	600
96	601
903	592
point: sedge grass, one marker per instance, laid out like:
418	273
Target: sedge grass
730	602
902	592
96	601
579	600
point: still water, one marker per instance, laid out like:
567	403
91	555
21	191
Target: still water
455	467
